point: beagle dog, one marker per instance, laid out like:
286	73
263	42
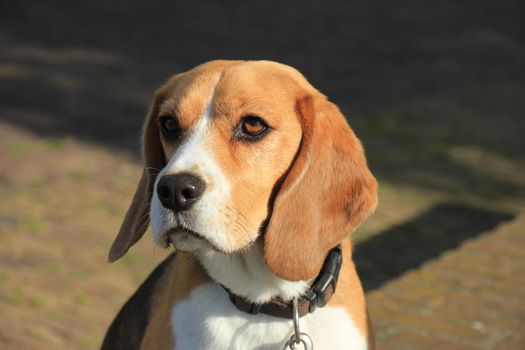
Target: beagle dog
253	176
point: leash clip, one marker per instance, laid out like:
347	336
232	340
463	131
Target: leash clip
298	340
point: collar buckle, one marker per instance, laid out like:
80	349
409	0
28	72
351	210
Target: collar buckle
328	276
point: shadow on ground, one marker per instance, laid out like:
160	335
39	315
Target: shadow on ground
445	226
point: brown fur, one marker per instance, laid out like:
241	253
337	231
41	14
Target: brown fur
182	276
349	294
328	192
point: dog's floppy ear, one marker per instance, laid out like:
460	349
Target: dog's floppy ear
137	218
326	194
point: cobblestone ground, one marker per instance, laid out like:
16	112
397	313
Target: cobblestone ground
468	298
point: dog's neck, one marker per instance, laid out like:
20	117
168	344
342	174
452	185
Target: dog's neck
246	274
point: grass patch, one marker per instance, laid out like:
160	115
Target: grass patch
4	275
82	299
80	274
55	143
18	147
15	296
33	226
416	197
130	259
79	176
86	343
37	183
38	303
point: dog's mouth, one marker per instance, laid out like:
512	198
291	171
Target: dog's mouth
179	234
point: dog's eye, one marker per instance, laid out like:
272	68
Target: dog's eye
169	126
252	127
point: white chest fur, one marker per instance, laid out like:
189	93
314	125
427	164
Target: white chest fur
208	320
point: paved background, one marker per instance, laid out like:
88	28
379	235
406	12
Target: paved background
468	298
434	90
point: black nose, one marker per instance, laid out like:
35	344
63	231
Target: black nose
180	191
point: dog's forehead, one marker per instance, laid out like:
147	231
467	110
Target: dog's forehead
189	93
231	85
255	85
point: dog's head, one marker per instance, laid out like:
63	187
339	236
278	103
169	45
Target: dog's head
235	151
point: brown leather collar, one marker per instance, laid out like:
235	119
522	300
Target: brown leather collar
317	296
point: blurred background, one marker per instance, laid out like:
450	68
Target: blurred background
434	89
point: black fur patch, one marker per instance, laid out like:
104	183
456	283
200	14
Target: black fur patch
128	328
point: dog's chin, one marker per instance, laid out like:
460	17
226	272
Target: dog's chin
185	242
183	239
